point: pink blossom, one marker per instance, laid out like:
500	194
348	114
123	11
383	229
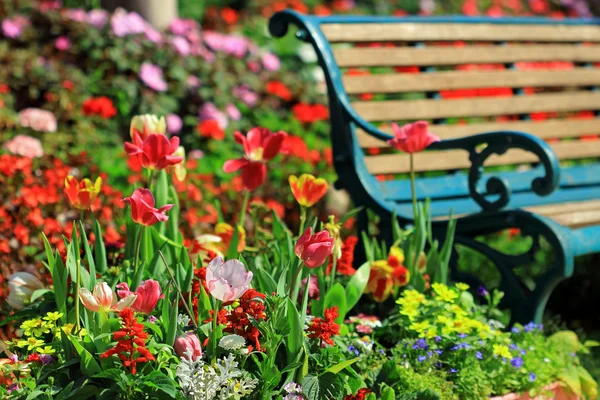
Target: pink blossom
246	95
152	34
13	27
76	14
148	293
253	66
233	112
214	40
181	26
174	123
210	111
25	146
313	250
271	62
193	81
227	281
313	288
152	76
97	18
181	45
37	119
62	43
125	23
188	345
103	299
412	138
235	45
196	154
47	5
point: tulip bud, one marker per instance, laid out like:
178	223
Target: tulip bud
21	286
227	281
148	124
313	250
188	345
179	169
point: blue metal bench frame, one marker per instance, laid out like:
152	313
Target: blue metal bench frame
499	210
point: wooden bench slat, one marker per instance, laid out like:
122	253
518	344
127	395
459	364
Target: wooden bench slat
580	219
390	110
406	31
459	159
447	80
560	128
566	208
435	56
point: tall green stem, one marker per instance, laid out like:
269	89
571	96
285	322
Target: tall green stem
413	188
244	207
332	275
77	286
302	220
213	334
293	283
136	255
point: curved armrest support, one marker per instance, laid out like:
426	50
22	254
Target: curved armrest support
498	143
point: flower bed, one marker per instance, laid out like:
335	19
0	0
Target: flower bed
257	310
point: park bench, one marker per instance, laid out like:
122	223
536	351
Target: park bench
516	95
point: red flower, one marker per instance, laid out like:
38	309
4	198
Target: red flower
239	322
412	138
295	146
360	395
155	152
344	264
324	328
313	250
131	342
260	146
101	106
210	128
229	15
68	85
278	89
143	210
308	114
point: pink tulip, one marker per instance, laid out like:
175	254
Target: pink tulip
227	281
103	299
188	344
313	250
148	293
412	138
143	210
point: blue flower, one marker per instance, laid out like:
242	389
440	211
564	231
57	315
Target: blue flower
514	329
421	358
453	371
461	345
438	352
532	377
462	335
482	291
478	355
530	327
513	346
517	362
381	351
421	344
437	339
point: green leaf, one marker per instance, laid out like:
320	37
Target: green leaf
172	327
321	387
159	381
89	366
49	253
232	252
336	296
335	369
357	284
38	293
88	256
388	394
295	339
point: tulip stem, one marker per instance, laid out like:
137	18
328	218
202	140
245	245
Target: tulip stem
413	188
244	207
213	334
302	219
333	270
293	291
136	256
185	305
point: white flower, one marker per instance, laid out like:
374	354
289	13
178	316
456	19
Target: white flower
232	342
21	286
307	53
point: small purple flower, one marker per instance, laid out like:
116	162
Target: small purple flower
152	76
517	362
97	18
453	371
421	344
152	319
439	352
573	354
181	45
532	377
271	62
174	123
13	387
46	359
421	358
462	335
14	358
478	355
437	339
62	43
514	329
513	346
530	327
482	291
246	95
460	346
381	351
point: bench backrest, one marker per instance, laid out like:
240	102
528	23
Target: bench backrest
465	76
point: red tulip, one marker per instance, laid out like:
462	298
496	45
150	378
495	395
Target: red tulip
412	138
188	344
155	151
143	210
148	293
314	249
260	146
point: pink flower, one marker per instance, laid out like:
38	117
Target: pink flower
209	111
313	250
233	112
103	299
97	18
196	154
143	210
148	293
124	23
25	146
13	27
235	45
76	14
181	26
154	152
246	95
227	281
152	76
313	288
62	43
412	138
174	123
37	119
152	34
260	146
181	45
193	81
271	62
188	345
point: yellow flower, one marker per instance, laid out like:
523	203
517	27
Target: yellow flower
444	293
68	329
35	327
53	316
46	350
410	311
420	327
431	333
31	343
462	286
502	351
411	296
